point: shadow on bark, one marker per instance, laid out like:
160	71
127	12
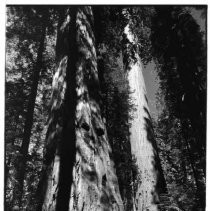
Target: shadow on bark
67	145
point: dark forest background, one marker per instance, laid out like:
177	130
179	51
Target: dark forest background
167	35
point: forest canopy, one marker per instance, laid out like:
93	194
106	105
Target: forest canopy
79	134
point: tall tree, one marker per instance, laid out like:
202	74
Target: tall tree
79	172
23	40
13	130
143	147
181	57
116	108
22	160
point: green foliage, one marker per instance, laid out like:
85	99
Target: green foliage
140	23
23	37
181	57
116	104
116	108
110	24
171	37
175	160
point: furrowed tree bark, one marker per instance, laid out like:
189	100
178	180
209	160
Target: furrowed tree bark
150	182
79	172
22	160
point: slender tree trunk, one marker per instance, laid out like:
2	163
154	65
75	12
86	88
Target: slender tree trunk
8	175
150	182
8	163
20	168
79	171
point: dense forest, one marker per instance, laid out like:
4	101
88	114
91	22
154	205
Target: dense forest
78	130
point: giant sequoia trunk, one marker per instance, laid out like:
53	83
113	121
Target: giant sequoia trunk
79	172
150	182
22	159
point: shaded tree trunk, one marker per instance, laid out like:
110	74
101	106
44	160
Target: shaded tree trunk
149	182
22	159
79	173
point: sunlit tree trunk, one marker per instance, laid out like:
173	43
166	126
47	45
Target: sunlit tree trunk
20	168
79	172
149	183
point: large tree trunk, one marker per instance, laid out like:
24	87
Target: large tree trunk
79	171
150	182
21	163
